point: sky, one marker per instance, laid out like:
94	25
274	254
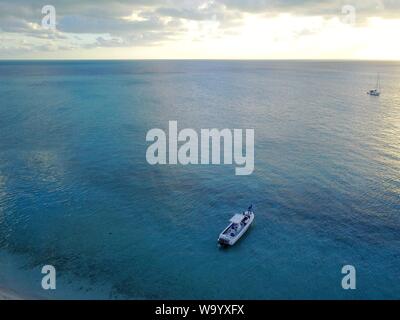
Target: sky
200	29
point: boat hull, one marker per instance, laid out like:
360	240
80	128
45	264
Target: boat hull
224	241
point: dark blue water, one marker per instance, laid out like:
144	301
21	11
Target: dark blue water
76	190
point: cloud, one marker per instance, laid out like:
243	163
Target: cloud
122	23
97	25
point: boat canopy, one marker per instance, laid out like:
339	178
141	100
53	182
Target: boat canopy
237	218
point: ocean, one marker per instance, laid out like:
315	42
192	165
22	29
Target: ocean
76	191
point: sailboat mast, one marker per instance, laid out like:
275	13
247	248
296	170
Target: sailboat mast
378	82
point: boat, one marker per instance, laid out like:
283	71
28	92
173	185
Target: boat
377	91
239	224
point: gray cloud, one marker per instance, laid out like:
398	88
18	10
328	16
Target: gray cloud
97	25
160	20
315	7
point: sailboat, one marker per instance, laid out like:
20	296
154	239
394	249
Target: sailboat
377	91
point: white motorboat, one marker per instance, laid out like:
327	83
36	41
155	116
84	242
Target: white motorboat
239	224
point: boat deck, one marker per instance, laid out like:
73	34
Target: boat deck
234	228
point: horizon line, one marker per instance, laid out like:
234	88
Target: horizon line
199	59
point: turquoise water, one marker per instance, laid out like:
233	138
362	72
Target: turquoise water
76	190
